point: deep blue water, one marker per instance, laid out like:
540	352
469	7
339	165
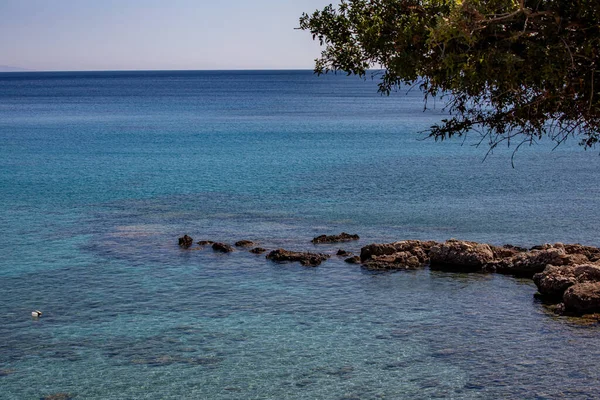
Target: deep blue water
100	172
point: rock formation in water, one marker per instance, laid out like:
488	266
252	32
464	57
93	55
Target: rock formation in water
342	237
186	241
305	258
582	298
406	254
565	274
460	255
222	247
245	243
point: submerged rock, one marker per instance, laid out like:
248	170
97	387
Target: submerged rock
245	243
461	255
305	258
343	253
583	298
222	247
353	260
186	241
342	237
258	250
205	242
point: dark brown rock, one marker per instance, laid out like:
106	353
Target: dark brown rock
591	253
305	258
531	263
342	237
258	250
506	251
222	247
460	255
401	260
583	298
186	241
417	248
205	242
555	280
245	243
343	253
353	260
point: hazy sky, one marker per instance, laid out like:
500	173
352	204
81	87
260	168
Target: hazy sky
155	34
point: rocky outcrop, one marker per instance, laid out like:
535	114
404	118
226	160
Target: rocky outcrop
406	254
530	263
205	242
343	253
258	250
506	251
418	248
245	243
555	280
222	247
353	260
460	255
582	298
305	258
186	241
402	260
342	237
589	252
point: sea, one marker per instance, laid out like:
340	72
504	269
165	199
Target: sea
102	172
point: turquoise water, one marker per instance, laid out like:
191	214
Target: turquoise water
101	172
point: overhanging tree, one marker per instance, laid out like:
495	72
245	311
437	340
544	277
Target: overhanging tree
510	70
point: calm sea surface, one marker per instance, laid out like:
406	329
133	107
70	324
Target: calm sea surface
101	172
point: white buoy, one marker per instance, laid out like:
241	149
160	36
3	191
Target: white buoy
36	313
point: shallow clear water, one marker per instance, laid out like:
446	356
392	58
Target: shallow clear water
101	172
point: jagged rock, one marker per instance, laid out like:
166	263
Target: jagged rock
397	261
583	298
555	280
305	258
205	242
222	247
258	250
462	255
506	251
342	237
343	253
245	243
353	260
591	253
186	241
528	264
418	248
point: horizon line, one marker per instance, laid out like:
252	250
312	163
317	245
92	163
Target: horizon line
156	70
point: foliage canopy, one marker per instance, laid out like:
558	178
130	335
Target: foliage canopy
509	69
